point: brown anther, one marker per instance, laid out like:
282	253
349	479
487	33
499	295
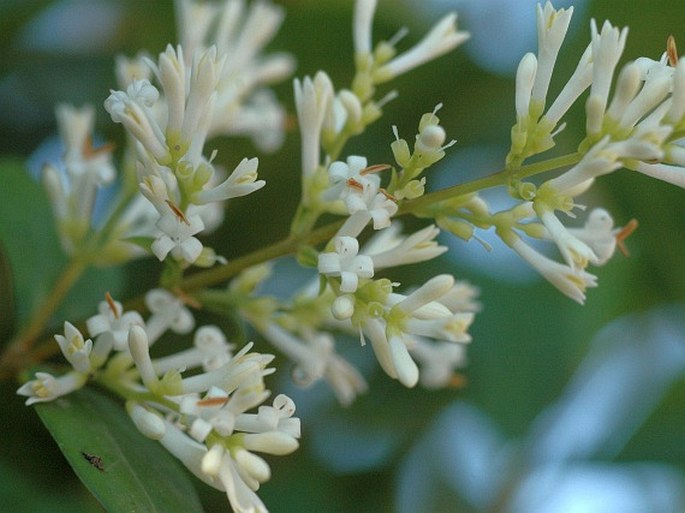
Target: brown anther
187	300
376	168
112	305
213	401
457	381
89	152
671	51
388	195
351	182
178	212
623	234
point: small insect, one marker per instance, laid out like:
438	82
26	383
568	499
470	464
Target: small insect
96	461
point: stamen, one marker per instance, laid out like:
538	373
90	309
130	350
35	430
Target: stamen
178	212
387	195
376	168
671	51
623	234
112	305
89	152
351	182
213	401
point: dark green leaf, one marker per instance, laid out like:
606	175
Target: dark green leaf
124	470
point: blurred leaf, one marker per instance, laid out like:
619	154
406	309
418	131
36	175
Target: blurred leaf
123	469
27	233
34	252
9	314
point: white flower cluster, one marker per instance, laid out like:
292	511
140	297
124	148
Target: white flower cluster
203	419
200	402
213	83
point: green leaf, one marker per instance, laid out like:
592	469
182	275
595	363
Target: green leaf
124	470
28	236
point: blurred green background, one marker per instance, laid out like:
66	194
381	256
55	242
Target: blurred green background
529	340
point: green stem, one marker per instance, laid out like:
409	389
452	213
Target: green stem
487	182
16	352
283	247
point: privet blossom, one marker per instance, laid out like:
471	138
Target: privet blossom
209	404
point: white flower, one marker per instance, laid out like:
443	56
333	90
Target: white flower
148	423
113	322
525	79
177	237
552	26
376	205
168	312
677	109
576	253
132	109
575	86
442	38
571	282
340	173
346	263
452	328
82	161
211	351
278	417
362	25
46	387
243	368
595	162
607	47
312	98
437	361
315	358
672	174
241	182
240	495
432	290
75	349
139	347
417	247
599	234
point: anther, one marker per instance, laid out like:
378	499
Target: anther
624	233
376	168
112	305
671	51
351	182
388	195
213	401
178	212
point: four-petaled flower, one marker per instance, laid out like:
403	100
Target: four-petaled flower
346	263
177	237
